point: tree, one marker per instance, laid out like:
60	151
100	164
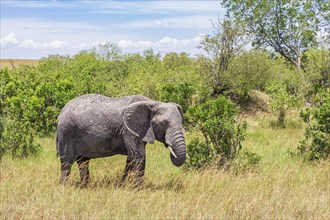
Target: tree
281	101
289	27
246	72
175	61
316	144
108	51
226	42
317	68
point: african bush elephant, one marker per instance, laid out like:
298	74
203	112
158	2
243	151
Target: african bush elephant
93	126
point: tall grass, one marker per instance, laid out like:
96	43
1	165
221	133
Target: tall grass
281	187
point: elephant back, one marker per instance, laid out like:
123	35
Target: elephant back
93	110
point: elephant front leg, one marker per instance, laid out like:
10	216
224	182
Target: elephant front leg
136	159
138	168
128	168
135	168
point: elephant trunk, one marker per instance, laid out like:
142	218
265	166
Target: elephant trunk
176	141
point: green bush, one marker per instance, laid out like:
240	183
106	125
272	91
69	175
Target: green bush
247	72
30	103
316	144
2	148
245	161
316	65
174	61
223	134
18	139
281	101
199	154
180	93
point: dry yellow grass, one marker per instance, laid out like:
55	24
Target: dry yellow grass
11	63
283	187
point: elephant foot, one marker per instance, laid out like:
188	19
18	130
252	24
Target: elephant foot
84	184
64	177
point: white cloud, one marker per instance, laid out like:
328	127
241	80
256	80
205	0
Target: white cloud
195	21
28	43
9	40
164	45
141	25
37	28
126	44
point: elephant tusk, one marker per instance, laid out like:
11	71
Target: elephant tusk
187	156
172	152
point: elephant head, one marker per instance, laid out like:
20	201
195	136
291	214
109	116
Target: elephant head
160	121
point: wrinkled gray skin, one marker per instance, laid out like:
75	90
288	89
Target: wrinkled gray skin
93	126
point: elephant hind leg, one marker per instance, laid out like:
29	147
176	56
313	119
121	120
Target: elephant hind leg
65	171
83	165
67	158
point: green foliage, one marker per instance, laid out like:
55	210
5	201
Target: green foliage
178	93
281	101
2	148
247	72
36	99
108	51
289	27
284	73
223	134
221	47
18	139
174	61
316	144
317	70
245	161
200	154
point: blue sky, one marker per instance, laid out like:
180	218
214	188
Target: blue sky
34	29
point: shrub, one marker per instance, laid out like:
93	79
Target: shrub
246	160
223	134
247	72
180	93
316	144
280	101
316	65
2	149
199	154
18	139
28	106
175	61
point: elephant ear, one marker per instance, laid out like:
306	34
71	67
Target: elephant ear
179	108
137	117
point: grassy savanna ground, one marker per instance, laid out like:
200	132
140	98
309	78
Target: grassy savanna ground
280	187
10	63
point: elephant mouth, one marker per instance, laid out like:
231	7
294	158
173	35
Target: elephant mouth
171	150
176	160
